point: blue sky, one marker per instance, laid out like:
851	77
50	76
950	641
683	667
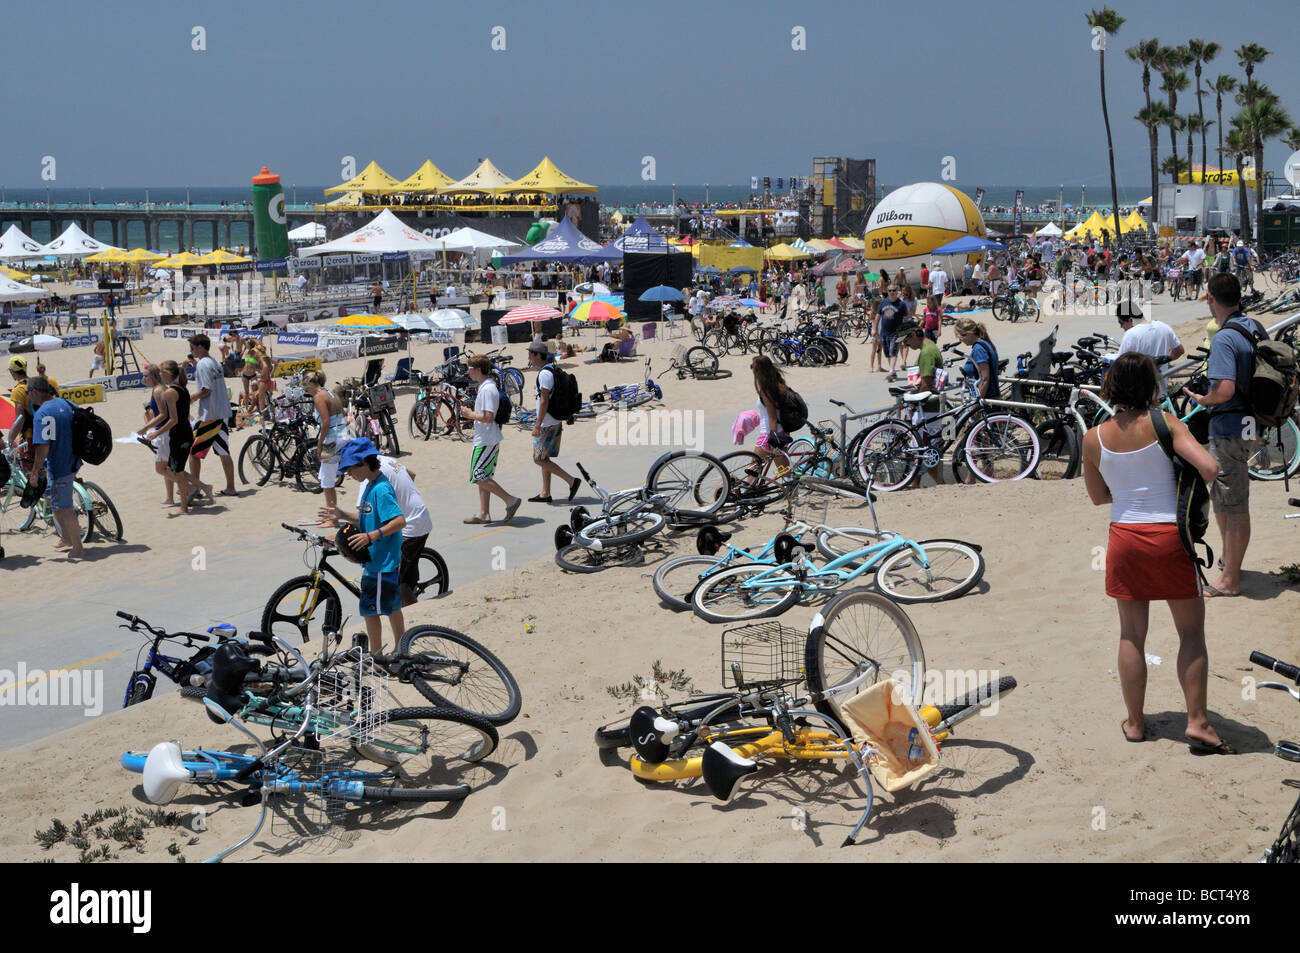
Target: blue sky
713	90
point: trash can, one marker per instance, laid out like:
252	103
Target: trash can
499	334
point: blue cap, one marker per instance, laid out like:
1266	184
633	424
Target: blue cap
355	451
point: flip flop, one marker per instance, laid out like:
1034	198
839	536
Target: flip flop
1134	740
227	493
1210	592
1204	747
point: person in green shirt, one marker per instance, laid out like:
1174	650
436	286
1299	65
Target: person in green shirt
930	378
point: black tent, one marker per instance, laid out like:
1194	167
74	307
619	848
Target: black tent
643	272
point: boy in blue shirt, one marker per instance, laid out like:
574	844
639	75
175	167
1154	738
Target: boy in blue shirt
379	524
52	438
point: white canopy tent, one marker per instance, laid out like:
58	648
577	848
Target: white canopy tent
384	234
311	232
74	243
11	290
15	245
472	240
1050	230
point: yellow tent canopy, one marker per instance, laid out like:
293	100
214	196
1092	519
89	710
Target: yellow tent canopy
372	180
1093	223
348	198
546	177
13	273
220	256
856	244
784	252
107	256
142	256
428	178
1133	222
177	262
821	244
487	178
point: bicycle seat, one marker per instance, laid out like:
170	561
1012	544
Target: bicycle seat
821	431
647	736
723	768
917	397
163	772
231	663
709	539
897	391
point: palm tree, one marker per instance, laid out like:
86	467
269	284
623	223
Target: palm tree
1145	52
1194	124
1175	165
1265	120
1153	117
1176	124
1169	63
1202	51
1109	21
1249	55
1238	143
1292	139
1222	84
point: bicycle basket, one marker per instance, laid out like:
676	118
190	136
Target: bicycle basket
350	692
767	653
381	397
283	410
306	814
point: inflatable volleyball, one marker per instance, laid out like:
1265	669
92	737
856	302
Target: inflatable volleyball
913	221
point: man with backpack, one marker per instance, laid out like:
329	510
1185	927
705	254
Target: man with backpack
557	401
52	438
1234	429
490	410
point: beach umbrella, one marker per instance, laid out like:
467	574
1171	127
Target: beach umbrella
415	322
663	293
142	256
8	413
37	342
108	256
596	311
592	288
366	321
968	244
453	319
742	270
529	312
220	256
177	262
707	270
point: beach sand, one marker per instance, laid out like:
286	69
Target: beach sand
1048	778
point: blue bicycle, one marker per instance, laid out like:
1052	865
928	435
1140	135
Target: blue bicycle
183	671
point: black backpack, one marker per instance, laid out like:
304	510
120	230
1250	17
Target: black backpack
565	399
92	437
1274	381
1193	498
504	406
793	411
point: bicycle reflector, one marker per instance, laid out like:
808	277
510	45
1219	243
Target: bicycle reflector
361	555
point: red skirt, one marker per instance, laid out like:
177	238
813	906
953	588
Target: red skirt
1146	562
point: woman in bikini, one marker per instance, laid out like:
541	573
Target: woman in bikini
176	399
249	372
333	432
155	414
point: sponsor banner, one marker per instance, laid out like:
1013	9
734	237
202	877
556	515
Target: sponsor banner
272	264
181	333
242	332
128	381
286	368
81	283
297	339
332	261
130	334
304	264
338	352
237	268
441	337
88	301
979	197
396	256
83	393
1019	222
387	344
365	259
81	340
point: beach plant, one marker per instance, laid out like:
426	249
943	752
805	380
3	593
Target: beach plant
1108	20
660	679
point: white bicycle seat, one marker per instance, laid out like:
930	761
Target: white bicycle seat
918	397
163	772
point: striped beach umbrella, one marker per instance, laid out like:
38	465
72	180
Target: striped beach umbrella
596	310
529	312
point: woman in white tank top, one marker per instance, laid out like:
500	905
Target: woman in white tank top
1125	466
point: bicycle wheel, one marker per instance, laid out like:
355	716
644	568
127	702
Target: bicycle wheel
620	531
1001	447
804	459
84	508
888	456
1003	309
693	482
676	579
578	558
385	435
259	457
814	356
715	341
1031	307
304	609
954	569
702	362
745	592
973	702
306	470
424	744
861	626
472	679
108	523
447	420
1060	451
836	541
432	575
1268	462
420	422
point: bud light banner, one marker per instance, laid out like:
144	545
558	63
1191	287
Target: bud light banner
396	256
272	264
296	339
1020	212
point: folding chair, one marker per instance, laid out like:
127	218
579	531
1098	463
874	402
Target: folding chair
648	330
627	348
374	368
403	371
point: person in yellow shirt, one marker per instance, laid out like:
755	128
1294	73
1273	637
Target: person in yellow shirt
21	431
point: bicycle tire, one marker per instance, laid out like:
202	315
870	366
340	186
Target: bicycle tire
970	703
379	792
887	457
387	441
814	356
693	482
1000	439
484	688
670	580
857	626
194	692
955	569
725	590
834	542
108	523
614	735
757	490
419	421
306	470
1060	454
276	621
447	419
701	361
431	573
260	455
1003	309
620	531
1266	463
141	690
437	737
583	559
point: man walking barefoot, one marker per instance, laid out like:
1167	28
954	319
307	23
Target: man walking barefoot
487	442
547	430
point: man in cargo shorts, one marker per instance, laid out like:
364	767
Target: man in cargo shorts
547	430
1232	427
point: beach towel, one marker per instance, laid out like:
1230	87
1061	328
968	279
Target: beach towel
746	423
881	717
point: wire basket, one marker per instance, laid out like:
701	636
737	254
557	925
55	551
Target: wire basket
350	692
766	653
307	814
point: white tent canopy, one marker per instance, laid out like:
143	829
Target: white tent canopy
384	234
15	245
311	232
471	239
11	290
1050	230
74	243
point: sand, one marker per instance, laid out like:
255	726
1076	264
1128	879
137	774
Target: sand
1049	778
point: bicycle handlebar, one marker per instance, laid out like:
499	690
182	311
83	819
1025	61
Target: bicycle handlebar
303	534
135	623
1285	669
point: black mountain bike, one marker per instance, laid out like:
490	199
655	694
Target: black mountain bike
284	448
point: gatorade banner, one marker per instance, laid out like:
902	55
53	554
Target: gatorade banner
388	344
83	393
1020	212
